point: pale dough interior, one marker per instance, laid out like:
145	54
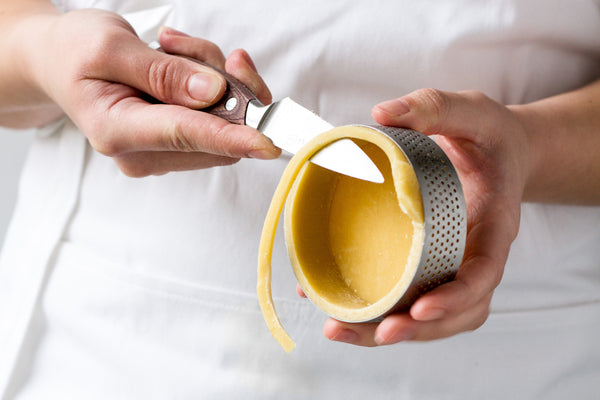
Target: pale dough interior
354	245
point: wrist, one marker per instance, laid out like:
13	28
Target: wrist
25	102
31	56
562	132
533	147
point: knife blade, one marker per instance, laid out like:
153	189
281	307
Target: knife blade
290	126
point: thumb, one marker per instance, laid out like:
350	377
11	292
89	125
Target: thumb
167	78
434	112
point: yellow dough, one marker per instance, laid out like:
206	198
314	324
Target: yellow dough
354	245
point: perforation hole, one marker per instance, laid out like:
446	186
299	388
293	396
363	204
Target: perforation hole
444	225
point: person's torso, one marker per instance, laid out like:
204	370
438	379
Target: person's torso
165	266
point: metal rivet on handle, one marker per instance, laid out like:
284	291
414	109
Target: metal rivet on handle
231	104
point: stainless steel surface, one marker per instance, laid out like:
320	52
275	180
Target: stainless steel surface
444	209
444	226
290	126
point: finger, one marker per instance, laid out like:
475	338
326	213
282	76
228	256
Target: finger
168	78
393	329
141	164
487	246
240	65
449	309
434	111
164	127
176	42
356	334
300	292
401	327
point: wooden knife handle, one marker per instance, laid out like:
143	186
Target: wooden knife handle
234	103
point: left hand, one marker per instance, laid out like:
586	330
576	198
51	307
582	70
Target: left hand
103	75
488	145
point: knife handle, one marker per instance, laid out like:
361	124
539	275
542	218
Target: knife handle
234	103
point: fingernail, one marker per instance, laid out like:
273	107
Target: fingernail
248	60
264	149
346	336
394	107
170	31
264	154
204	87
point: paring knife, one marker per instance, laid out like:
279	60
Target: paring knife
290	126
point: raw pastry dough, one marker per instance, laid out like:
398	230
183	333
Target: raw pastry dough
354	245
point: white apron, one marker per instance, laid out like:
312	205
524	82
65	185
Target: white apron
120	288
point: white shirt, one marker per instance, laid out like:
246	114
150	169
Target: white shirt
120	288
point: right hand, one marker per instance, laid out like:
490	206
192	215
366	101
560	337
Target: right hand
489	146
95	68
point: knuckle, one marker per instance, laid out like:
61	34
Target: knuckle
482	313
105	147
162	75
435	100
178	139
211	49
93	54
104	132
99	142
480	319
232	141
102	141
475	96
100	51
206	51
223	141
106	141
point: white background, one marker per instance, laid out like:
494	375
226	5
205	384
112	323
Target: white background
13	149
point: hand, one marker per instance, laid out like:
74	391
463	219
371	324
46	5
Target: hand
487	143
101	74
